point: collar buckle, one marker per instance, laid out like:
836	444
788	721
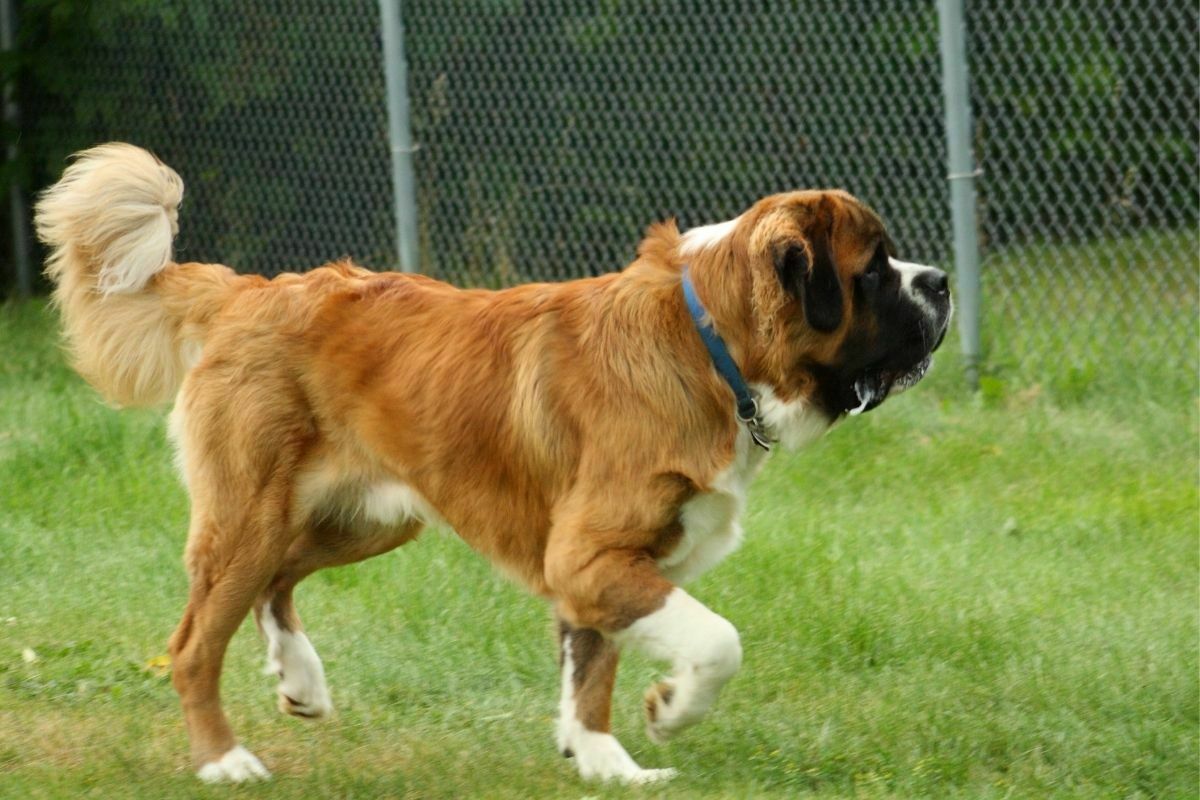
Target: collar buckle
747	411
756	426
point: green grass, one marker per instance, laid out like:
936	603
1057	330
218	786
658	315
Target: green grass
953	596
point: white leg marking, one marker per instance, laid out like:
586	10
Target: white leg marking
236	766
597	755
176	432
291	656
705	651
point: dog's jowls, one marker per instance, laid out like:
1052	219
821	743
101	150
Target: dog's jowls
576	434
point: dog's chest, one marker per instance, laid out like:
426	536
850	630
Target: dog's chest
710	524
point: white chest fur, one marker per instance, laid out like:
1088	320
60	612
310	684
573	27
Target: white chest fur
711	529
710	520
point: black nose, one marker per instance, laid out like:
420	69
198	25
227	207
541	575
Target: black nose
933	281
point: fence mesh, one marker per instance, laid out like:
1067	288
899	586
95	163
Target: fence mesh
273	112
1087	132
550	133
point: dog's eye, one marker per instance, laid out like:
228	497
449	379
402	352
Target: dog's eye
871	275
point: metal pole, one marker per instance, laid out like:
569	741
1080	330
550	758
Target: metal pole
16	203
404	196
962	180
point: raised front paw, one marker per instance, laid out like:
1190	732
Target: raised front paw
661	719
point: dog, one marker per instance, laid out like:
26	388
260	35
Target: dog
595	439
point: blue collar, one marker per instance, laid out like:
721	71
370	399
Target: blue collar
747	405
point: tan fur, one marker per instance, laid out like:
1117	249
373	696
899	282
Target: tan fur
557	428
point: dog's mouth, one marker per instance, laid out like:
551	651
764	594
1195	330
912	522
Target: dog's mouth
875	386
882	380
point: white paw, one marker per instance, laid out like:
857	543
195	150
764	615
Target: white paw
236	766
704	650
302	688
599	756
304	694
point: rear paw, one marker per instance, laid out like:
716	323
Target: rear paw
306	702
238	765
302	689
291	657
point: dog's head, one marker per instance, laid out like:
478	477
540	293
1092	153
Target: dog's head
834	316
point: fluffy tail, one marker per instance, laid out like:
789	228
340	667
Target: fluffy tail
109	223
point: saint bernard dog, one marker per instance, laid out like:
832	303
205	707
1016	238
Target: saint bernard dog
595	439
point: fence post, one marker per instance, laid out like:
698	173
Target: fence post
400	136
16	203
961	178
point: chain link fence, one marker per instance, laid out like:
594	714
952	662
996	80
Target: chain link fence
549	133
273	112
1087	118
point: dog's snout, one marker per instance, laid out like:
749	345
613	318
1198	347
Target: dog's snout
934	282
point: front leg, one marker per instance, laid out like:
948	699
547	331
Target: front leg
621	593
589	669
702	647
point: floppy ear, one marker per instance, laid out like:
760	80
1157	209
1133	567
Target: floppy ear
813	281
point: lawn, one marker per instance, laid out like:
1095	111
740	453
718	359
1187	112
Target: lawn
955	595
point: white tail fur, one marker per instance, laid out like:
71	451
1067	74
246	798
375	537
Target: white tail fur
109	223
118	203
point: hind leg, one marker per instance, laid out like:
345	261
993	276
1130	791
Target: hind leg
229	563
302	688
238	454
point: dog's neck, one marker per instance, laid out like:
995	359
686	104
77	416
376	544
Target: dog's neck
745	399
